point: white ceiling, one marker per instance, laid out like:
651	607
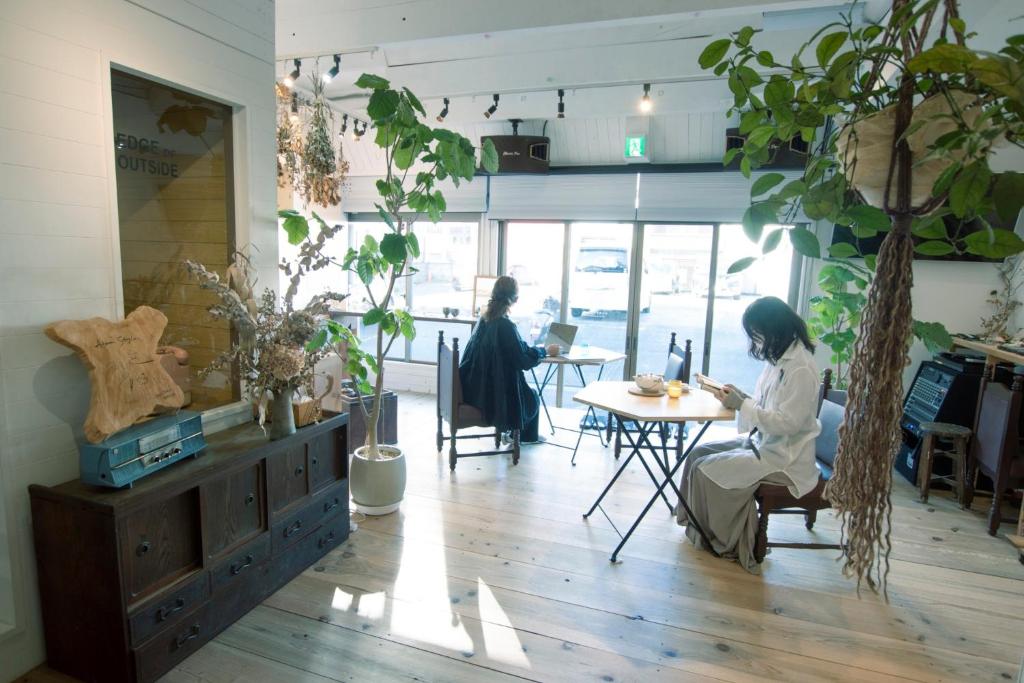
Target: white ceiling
599	51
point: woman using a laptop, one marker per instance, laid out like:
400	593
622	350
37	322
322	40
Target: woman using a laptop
720	478
492	367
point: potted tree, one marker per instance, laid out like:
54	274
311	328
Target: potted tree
417	157
901	118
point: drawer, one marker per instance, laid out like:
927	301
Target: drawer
324	505
286	476
241	563
164	611
160	543
162	652
327	459
234	509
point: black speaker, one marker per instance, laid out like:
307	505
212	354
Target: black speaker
521	153
939	393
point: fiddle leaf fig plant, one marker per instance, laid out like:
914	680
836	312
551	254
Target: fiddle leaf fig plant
417	157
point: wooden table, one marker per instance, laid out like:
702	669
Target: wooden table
578	358
649	412
993	354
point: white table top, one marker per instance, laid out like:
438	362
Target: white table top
695	406
585	355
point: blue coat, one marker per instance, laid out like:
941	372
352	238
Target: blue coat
491	371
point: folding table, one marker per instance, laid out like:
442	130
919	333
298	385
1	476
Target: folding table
648	412
578	357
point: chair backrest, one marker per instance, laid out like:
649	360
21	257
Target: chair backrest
449	385
997	428
827	443
679	361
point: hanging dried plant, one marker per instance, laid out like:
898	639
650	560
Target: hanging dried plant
289	140
321	174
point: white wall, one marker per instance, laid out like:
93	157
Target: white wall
58	234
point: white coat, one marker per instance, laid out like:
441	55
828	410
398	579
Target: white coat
784	410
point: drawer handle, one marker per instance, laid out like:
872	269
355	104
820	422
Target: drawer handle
188	635
299	470
236	569
168	610
316	461
293	529
250	499
328	506
143	548
325	540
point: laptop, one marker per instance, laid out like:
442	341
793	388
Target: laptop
561	334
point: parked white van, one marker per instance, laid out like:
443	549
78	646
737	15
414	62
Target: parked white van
600	283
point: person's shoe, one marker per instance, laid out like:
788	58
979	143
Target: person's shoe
540	439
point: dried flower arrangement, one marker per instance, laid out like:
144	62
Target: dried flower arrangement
289	140
1005	301
272	351
323	170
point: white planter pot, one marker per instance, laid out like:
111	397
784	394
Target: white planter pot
378	486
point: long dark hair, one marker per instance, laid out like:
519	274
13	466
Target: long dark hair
772	327
503	295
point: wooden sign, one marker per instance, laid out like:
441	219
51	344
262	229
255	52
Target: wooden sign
128	380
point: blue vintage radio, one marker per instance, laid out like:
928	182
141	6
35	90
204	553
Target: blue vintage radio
142	449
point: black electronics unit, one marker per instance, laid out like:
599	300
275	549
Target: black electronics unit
940	392
521	153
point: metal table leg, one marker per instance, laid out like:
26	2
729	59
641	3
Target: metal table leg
541	386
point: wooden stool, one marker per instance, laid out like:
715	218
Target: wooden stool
959	435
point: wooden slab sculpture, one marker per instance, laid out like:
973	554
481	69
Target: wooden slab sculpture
128	380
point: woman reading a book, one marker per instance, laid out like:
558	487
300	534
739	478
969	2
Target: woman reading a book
780	424
491	370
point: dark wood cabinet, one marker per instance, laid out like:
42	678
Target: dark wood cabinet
135	580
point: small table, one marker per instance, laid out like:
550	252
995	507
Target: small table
993	354
577	358
648	412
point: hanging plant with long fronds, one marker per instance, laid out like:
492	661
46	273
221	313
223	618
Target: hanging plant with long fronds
321	172
289	139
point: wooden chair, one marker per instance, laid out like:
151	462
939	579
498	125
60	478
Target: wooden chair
933	432
995	451
457	414
677	366
776	499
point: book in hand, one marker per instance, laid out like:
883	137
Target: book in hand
708	384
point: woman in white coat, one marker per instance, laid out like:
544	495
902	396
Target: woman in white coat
780	421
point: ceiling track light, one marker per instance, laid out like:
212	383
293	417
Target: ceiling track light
290	79
444	111
344	124
333	72
645	102
357	133
561	104
295	108
493	108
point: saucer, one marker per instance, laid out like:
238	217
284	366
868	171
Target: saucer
637	391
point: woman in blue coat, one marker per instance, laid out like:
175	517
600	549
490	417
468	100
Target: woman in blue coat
492	367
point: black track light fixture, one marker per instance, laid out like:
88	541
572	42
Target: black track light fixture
344	124
645	102
333	72
493	108
295	108
561	104
444	111
357	132
289	80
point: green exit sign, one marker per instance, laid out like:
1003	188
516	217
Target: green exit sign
636	146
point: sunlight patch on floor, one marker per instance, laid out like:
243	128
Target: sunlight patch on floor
500	638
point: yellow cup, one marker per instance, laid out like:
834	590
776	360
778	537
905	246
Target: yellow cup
675	388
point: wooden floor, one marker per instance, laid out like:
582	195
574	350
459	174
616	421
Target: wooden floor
491	574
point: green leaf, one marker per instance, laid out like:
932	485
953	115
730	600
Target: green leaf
929	228
741	265
318	340
771	242
969	189
869	217
842	250
765	183
385	216
1008	195
765	58
997	244
805	242
942	58
297	228
372	81
413	244
828	46
383	104
934	248
744	36
945	179
414	101
489	156
730	154
373	316
714	53
364	269
934	336
760	136
393	248
754	219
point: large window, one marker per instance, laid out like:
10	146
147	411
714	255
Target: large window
174	202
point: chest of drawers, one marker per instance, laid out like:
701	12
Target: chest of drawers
133	581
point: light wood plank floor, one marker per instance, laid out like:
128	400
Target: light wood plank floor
491	574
